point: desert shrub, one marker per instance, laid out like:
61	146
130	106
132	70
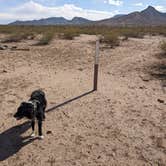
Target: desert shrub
133	33
17	37
124	38
71	31
69	35
163	46
46	38
110	39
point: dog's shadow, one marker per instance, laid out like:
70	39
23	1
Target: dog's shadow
11	140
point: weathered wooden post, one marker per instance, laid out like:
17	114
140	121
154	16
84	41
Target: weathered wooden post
96	66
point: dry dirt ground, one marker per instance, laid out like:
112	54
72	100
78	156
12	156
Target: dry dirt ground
123	123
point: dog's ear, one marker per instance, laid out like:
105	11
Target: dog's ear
23	103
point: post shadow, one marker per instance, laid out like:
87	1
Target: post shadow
11	140
69	101
95	80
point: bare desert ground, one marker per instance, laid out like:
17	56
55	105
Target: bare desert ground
123	123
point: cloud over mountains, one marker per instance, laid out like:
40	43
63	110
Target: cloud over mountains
34	10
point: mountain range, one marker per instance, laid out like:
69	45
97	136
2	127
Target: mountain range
54	21
148	17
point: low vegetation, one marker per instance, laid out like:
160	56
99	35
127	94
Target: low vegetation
17	37
69	35
111	39
111	34
46	38
133	34
163	47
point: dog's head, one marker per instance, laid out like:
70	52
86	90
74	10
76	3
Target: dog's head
24	110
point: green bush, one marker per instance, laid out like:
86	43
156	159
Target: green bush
111	39
17	37
46	38
133	34
70	35
69	32
163	46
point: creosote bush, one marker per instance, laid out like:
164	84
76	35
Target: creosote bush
17	33
163	46
17	37
110	39
46	38
70	35
133	34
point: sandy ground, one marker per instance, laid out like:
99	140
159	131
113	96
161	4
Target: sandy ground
123	123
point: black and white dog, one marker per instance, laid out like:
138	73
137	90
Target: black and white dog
33	109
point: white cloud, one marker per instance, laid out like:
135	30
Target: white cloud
138	4
114	2
33	10
160	8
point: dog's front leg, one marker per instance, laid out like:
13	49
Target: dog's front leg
40	129
33	128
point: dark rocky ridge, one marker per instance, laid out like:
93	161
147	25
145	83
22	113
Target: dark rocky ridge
147	17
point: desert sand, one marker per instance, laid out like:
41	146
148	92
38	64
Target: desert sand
123	123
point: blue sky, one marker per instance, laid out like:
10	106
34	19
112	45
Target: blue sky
11	10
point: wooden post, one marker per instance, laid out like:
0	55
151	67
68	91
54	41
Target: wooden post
96	66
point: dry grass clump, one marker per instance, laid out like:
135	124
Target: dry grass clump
163	46
46	38
111	34
133	34
70	33
110	39
69	36
17	37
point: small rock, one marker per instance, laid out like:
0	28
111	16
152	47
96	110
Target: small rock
49	132
145	78
161	142
2	48
6	46
4	71
98	157
13	47
80	69
108	73
160	100
30	37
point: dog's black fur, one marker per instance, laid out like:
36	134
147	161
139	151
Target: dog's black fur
27	109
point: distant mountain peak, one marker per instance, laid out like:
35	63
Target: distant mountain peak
150	9
148	17
54	21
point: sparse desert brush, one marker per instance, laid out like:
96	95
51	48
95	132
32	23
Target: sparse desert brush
17	37
11	38
111	39
71	31
69	35
163	46
133	33
46	38
124	38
